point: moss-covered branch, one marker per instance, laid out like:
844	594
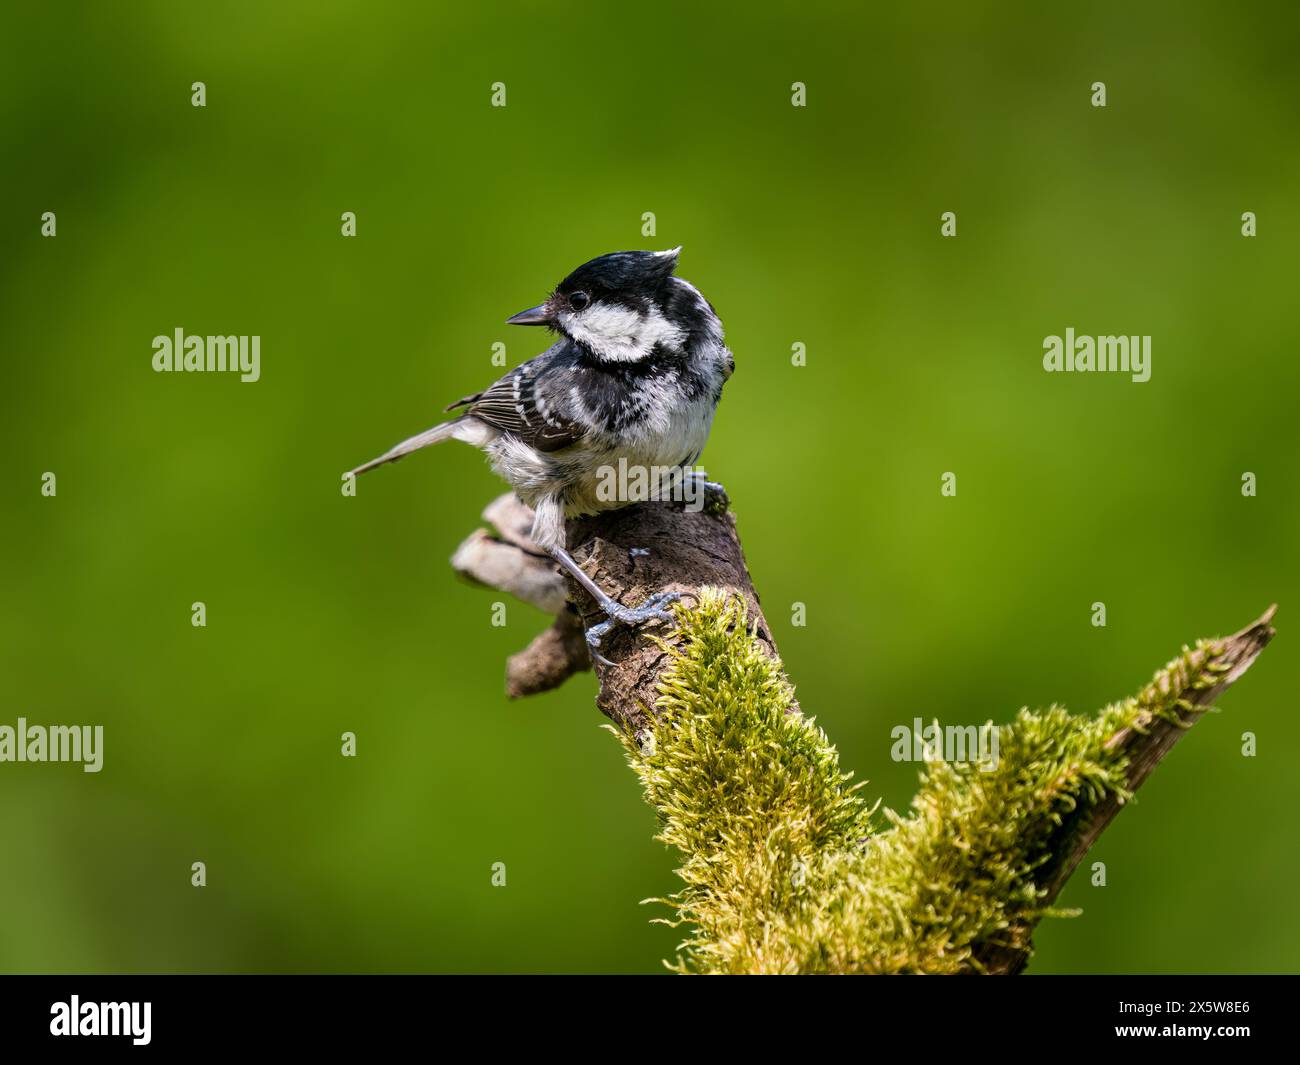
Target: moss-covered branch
787	867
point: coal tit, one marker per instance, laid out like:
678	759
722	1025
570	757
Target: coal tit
632	382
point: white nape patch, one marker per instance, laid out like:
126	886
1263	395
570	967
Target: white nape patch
618	333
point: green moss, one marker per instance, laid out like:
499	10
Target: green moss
788	868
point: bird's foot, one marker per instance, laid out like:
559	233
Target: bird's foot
703	494
653	609
716	500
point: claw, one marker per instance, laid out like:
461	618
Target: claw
653	609
594	635
615	613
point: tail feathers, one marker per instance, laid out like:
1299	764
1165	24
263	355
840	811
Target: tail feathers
436	435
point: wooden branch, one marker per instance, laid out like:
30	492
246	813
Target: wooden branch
1146	745
632	553
651	547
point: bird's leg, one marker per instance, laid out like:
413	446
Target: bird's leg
653	609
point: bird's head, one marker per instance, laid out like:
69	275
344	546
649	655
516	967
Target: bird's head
622	306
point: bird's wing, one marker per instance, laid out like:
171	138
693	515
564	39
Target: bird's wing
515	406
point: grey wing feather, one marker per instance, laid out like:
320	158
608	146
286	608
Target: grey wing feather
514	406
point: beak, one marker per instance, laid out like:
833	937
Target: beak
539	315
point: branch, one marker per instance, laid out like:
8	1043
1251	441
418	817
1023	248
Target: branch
1143	744
786	868
632	553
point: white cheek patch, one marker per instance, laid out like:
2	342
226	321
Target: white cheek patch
620	333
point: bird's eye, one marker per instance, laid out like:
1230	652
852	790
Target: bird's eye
579	300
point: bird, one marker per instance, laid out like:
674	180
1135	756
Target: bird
632	382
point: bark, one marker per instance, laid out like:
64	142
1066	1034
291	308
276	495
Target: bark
631	553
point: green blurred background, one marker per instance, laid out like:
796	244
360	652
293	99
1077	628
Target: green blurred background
818	225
